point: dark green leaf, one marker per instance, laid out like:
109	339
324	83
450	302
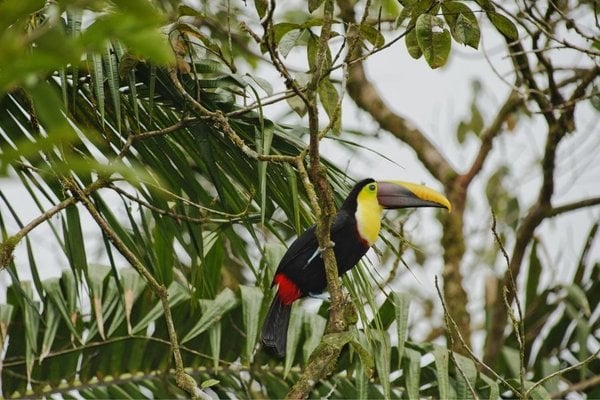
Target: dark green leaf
289	40
224	302
251	303
504	25
441	358
293	336
374	36
261	7
533	277
314	4
412	45
433	39
330	101
462	22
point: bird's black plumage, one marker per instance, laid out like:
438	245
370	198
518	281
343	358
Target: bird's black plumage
303	266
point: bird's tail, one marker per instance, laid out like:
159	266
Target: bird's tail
274	332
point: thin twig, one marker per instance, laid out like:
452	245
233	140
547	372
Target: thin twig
563	371
7	247
518	323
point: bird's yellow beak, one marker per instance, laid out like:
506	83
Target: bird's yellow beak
398	194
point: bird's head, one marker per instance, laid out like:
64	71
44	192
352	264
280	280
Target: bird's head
395	194
368	198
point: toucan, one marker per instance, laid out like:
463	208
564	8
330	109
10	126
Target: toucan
354	229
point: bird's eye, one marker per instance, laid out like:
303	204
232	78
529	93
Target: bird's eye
372	187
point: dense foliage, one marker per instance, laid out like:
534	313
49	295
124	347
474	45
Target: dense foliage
140	134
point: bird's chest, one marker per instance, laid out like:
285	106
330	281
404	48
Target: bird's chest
368	223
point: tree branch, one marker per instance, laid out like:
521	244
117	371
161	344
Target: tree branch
8	246
184	381
576	205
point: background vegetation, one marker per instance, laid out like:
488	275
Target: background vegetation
143	134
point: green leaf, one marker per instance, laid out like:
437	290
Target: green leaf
441	357
577	297
434	39
467	32
176	293
96	276
293	337
462	22
184	10
297	104
411	367
511	359
6	313
314	4
401	304
412	45
382	354
372	34
366	358
54	292
51	322
252	298
470	374
533	277
261	7
281	29
208	383
314	327
215	310
75	242
493	387
98	81
133	285
504	25
214	333
289	40
330	100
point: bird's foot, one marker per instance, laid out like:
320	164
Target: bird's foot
318	252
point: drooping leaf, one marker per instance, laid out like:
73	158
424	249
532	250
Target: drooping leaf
251	303
314	4
462	22
214	311
401	305
330	100
441	359
433	39
411	363
504	25
373	35
293	336
412	45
